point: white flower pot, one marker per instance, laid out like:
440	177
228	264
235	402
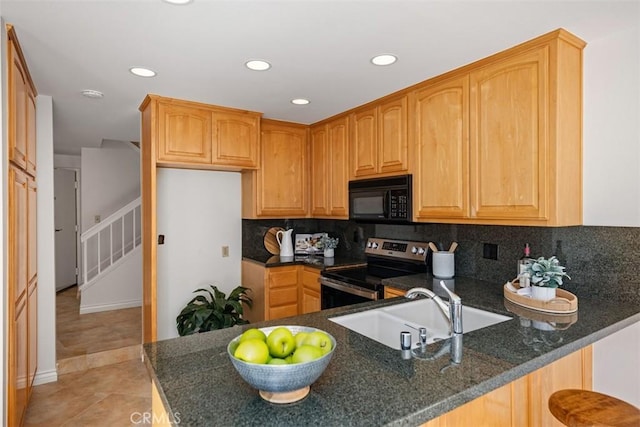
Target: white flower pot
543	293
328	253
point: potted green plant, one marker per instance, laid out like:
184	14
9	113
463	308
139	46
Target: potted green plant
216	311
329	244
545	275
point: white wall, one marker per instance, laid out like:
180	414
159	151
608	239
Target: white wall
198	212
612	181
121	288
612	129
66	161
109	179
46	243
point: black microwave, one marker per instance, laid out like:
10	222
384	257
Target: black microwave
381	199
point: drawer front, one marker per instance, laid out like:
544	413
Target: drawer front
283	279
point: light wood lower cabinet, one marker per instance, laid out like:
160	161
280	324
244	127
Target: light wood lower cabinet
309	290
523	402
279	292
390	292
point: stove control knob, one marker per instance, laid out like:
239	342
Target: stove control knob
420	251
369	244
374	245
414	250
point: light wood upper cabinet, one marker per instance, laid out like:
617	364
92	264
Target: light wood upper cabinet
378	140
338	167
235	138
500	141
319	153
201	136
184	133
440	119
22	118
280	187
18	115
364	142
329	146
31	133
510	139
392	136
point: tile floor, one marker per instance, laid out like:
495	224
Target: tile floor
101	379
78	334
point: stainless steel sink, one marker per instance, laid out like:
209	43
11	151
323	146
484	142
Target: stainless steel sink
385	324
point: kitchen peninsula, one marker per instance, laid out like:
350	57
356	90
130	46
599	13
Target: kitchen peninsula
370	384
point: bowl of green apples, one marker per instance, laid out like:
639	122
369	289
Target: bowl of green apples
281	361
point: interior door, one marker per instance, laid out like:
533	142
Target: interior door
65	223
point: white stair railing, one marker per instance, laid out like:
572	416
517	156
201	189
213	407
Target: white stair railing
107	243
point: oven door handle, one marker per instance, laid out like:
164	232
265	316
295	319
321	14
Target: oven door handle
372	295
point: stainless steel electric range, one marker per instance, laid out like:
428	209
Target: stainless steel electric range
386	258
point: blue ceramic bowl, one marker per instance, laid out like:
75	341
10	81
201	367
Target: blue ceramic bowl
281	378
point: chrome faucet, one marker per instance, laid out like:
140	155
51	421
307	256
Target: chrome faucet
452	310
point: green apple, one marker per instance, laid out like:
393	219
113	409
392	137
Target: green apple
300	337
288	359
306	353
281	342
319	339
277	361
253	333
253	350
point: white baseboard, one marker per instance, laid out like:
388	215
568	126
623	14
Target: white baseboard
113	306
49	376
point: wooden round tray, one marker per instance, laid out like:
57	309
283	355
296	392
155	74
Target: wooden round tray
564	302
271	242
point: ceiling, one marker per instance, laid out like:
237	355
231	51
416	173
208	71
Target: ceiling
318	49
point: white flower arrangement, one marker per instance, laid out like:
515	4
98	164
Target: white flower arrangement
547	273
327	242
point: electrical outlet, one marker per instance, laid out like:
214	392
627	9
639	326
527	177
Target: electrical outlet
225	251
96	219
490	251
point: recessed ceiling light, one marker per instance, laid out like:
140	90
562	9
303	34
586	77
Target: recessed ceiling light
300	101
94	94
178	2
257	65
386	59
142	72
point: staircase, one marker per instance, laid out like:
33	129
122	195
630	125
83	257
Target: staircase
109	244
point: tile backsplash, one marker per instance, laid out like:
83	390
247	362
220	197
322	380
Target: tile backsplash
602	261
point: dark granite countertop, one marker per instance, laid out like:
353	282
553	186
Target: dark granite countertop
316	261
367	383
